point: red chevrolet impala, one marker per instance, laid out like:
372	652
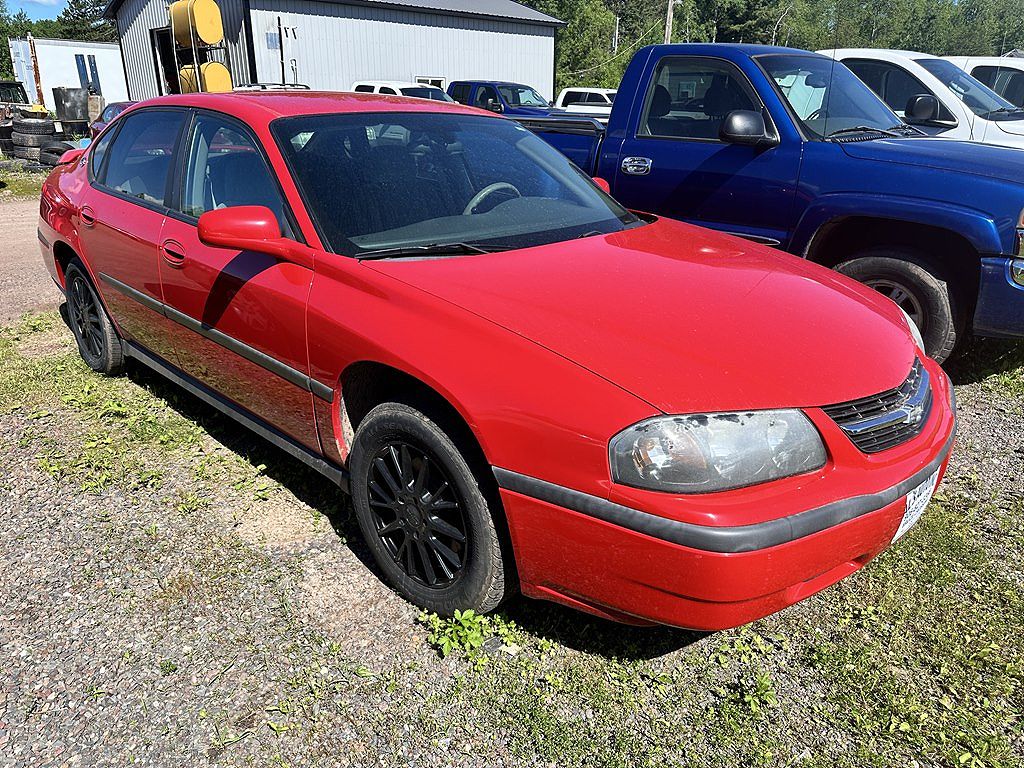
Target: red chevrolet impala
521	384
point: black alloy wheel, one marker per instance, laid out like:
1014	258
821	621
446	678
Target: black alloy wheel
98	342
417	515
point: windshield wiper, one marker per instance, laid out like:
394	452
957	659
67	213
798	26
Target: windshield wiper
904	128
1004	111
431	249
860	129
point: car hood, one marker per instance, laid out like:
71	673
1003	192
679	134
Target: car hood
684	318
944	155
1013	126
535	111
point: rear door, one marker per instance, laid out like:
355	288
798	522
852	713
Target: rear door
121	219
673	163
240	315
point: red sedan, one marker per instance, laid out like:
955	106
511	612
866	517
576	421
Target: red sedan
521	384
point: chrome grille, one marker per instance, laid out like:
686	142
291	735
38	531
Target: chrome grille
889	418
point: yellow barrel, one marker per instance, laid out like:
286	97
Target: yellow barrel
198	17
215	78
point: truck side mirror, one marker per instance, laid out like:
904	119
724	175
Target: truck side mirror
922	108
745	126
495	106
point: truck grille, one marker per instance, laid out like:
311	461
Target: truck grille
889	418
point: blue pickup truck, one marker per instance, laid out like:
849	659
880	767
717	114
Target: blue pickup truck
789	148
511	99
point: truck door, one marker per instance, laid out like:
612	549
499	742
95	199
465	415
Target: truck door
673	163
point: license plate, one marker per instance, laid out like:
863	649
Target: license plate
917	500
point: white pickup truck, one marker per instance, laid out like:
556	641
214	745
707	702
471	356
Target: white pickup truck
592	102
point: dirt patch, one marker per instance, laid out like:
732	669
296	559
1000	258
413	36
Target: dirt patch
25	284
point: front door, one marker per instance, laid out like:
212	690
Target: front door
122	216
240	315
673	163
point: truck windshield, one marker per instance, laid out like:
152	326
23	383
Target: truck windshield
979	98
826	97
426	92
407	180
521	96
12	93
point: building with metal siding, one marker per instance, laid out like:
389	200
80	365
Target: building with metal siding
328	44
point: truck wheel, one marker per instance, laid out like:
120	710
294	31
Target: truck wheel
422	514
98	342
917	286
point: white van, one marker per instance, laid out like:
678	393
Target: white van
399	88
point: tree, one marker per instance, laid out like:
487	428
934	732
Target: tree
83	20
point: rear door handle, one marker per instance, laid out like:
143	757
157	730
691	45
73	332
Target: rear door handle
636	166
87	216
173	253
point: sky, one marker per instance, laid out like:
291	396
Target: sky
37	9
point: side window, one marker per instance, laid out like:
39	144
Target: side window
108	114
573	97
986	74
97	153
484	95
140	155
364	89
893	84
460	92
224	168
596	98
389	91
690	97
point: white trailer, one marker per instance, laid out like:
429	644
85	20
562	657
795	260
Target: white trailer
68	64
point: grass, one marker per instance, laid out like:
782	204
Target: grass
20	185
916	660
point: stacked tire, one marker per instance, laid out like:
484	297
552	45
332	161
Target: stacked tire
30	135
6	144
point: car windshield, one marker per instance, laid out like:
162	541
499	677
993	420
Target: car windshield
978	97
426	92
400	180
12	93
825	96
521	96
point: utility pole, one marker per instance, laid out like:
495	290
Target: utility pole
615	37
668	21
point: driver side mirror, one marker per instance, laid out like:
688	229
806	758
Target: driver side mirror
922	108
494	106
745	126
251	228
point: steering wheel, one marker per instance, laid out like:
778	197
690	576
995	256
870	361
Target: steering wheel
485	192
817	114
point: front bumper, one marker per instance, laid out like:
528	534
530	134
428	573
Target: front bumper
621	562
1000	309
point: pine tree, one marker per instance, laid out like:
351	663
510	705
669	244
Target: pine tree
83	20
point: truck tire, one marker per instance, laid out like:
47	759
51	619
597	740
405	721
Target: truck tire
36	125
25	153
918	286
31	139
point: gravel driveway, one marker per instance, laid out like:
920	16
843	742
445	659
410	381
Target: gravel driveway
174	592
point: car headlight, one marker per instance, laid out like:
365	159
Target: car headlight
715	451
915	332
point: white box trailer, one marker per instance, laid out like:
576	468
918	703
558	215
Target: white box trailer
68	64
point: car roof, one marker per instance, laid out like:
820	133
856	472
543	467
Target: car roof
393	84
256	107
874	53
726	50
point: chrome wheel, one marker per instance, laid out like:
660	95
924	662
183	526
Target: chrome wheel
417	514
903	297
85	317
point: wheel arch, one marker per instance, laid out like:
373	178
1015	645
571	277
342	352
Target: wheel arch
841	238
63	254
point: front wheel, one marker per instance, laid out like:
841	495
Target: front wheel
98	342
422	513
918	287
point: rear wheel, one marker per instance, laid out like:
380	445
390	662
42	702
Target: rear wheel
914	283
98	342
422	513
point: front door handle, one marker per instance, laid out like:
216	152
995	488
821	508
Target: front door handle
87	216
173	253
636	166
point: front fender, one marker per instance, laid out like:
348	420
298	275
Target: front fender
980	229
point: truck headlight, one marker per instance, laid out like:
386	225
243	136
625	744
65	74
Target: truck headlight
915	332
715	451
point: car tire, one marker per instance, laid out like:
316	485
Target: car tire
25	153
33	125
31	139
98	342
413	522
918	286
